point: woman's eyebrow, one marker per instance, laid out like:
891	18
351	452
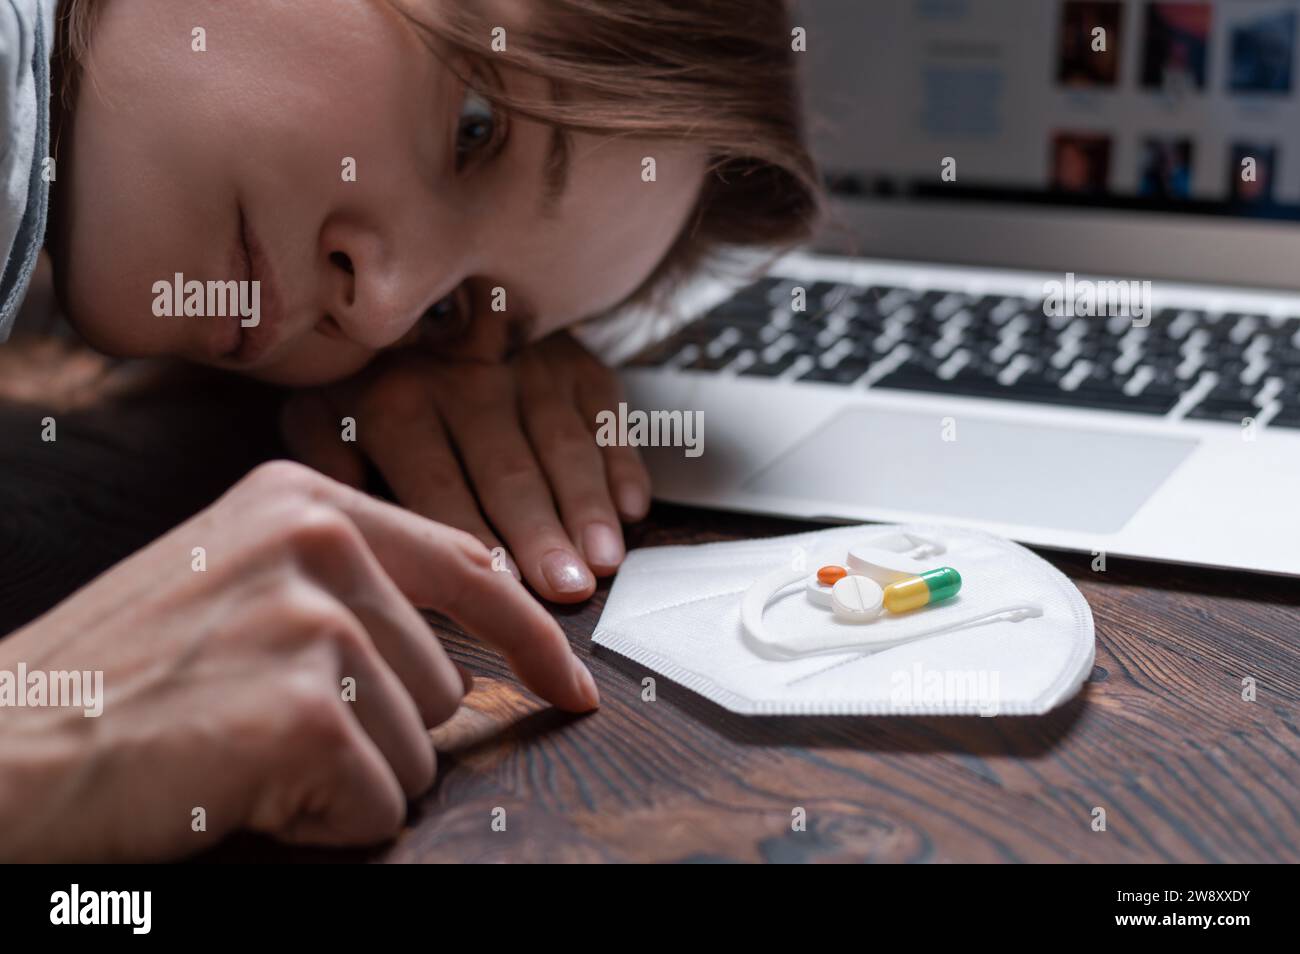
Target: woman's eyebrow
555	171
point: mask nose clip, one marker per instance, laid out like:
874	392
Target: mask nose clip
925	549
894	556
905	543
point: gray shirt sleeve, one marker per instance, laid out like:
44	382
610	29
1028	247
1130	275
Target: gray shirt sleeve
25	29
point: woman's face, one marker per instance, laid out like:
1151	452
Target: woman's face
235	164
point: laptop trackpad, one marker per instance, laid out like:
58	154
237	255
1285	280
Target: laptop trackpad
987	469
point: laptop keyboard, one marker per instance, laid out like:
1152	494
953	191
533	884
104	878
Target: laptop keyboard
1222	367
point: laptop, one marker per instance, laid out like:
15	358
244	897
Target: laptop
1058	298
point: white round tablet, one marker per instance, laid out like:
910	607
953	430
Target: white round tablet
857	599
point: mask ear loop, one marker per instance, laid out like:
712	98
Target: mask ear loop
765	589
762	592
1015	614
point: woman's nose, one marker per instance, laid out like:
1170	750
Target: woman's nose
368	294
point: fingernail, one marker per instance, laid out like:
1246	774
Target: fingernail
632	502
603	545
586	684
565	572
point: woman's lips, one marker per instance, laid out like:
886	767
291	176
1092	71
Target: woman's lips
254	341
225	336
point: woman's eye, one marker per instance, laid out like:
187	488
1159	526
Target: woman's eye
446	321
477	127
442	312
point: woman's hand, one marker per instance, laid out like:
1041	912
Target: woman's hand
279	679
472	444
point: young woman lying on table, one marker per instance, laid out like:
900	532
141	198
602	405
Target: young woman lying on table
425	198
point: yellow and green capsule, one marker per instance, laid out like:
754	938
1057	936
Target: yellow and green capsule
917	591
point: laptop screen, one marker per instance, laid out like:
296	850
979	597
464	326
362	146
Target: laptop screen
1171	107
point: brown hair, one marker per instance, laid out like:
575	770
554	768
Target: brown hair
74	20
721	74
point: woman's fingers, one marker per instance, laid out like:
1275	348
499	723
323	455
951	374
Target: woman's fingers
450	441
390	718
573	466
484	422
415	456
447	570
378	635
596	390
313	432
628	480
363	800
338	554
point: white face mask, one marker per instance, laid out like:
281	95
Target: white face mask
1016	640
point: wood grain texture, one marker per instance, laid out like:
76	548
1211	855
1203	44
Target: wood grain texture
1160	736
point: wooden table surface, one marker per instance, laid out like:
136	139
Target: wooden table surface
1160	736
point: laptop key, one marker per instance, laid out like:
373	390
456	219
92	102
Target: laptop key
771	369
757	294
714	362
846	372
1220	409
747	317
665	351
1289	416
1034	388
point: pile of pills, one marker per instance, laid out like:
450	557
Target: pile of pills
877	580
